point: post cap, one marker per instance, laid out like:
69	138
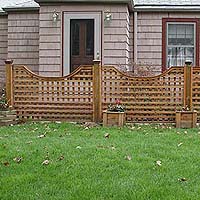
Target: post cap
8	62
97	61
188	62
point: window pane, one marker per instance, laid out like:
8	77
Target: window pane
90	37
181	34
75	39
178	55
181	40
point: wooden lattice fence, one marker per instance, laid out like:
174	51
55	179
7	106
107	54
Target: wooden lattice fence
53	98
147	99
84	94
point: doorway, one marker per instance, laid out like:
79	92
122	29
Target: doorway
81	42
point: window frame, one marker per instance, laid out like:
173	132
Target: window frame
165	22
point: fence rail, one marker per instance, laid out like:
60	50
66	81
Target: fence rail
84	94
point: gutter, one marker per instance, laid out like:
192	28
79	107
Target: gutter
11	9
135	37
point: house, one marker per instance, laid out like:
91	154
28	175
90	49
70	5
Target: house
53	37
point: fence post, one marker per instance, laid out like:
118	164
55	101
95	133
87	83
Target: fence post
97	107
9	82
188	70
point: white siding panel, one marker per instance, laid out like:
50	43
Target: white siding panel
23	38
3	47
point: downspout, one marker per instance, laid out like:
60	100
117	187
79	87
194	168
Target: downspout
135	37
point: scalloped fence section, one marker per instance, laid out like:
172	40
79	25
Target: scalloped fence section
85	93
147	99
67	98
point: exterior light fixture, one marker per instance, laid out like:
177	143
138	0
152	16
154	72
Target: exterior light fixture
55	16
108	16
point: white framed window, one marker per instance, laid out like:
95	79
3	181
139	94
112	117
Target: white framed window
180	43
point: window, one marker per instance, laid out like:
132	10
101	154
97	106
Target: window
179	42
75	37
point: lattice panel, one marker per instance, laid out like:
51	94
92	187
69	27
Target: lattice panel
54	98
196	91
147	99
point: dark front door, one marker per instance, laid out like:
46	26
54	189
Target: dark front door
82	42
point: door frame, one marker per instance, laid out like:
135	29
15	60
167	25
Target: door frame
67	16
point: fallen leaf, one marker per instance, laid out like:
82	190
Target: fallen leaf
78	147
106	135
61	157
128	158
6	163
180	144
41	136
158	162
113	148
17	159
45	162
182	179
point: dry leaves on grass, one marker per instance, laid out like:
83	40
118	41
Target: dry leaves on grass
159	163
45	162
78	147
61	157
88	125
128	157
18	159
41	136
107	135
6	163
179	144
182	179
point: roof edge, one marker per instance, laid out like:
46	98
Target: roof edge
2	13
11	9
128	2
169	8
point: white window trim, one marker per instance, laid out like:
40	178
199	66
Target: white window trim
193	23
66	40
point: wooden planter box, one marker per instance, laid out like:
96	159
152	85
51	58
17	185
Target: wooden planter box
186	119
113	118
8	117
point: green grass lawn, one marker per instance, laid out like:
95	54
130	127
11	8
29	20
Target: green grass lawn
83	164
